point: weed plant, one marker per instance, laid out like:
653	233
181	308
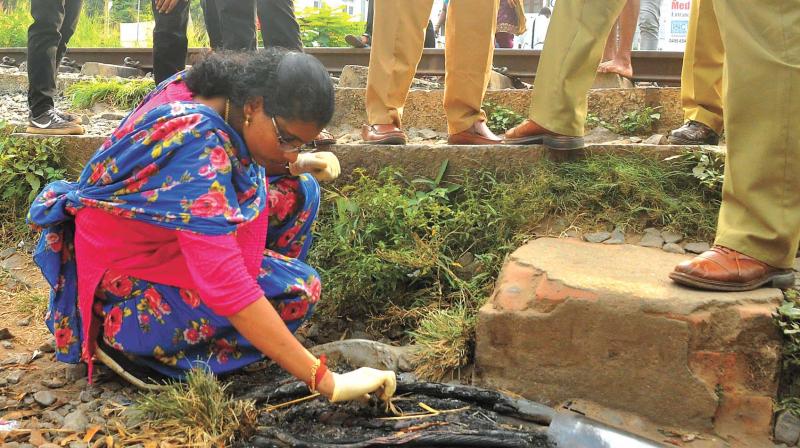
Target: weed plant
123	95
389	242
26	165
500	119
634	122
198	412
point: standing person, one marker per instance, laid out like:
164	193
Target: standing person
649	24
365	40
701	79
156	255
759	221
231	26
397	44
567	68
279	27
510	22
539	28
617	54
54	23
170	44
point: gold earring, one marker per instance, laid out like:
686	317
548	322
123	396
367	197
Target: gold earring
247	120
227	109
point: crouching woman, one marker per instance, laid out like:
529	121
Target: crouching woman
183	241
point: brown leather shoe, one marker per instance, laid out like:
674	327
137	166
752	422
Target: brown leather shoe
723	269
382	134
470	137
530	133
325	138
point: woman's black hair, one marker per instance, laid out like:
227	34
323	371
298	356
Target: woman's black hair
545	12
294	85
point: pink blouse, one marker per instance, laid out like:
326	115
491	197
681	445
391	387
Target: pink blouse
222	269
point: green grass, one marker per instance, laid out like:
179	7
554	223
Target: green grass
388	243
120	94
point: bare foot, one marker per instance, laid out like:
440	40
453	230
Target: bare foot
483	130
621	68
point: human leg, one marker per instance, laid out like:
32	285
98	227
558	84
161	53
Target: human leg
620	63
397	42
170	43
701	78
279	27
44	37
72	12
237	24
649	24
469	48
760	214
566	71
213	25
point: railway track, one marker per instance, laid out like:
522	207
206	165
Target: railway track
663	67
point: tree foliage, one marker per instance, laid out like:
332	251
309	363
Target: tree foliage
327	26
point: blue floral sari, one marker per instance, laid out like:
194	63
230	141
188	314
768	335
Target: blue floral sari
179	166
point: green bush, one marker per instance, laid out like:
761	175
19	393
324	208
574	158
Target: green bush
326	26
14	25
26	165
387	240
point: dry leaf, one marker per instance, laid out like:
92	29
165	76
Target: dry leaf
36	438
69	438
90	434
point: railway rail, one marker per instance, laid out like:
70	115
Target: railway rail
663	67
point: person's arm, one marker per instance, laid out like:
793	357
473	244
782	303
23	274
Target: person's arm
217	267
441	21
260	324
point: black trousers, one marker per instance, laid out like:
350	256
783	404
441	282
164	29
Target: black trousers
231	24
170	43
53	25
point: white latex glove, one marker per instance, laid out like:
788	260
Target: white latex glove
358	384
322	165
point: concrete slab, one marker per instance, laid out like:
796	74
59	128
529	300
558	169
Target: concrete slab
416	160
573	320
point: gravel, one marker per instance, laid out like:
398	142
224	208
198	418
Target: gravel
14	110
44	397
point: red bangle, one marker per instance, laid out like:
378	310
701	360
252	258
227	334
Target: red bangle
318	372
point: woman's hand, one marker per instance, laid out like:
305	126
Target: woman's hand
358	384
324	166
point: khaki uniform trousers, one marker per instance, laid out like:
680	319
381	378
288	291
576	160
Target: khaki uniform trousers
397	40
760	213
573	48
701	75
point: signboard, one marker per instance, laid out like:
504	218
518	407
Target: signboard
674	24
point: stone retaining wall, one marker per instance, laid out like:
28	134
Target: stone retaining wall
424	107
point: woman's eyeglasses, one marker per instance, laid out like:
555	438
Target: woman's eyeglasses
287	144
